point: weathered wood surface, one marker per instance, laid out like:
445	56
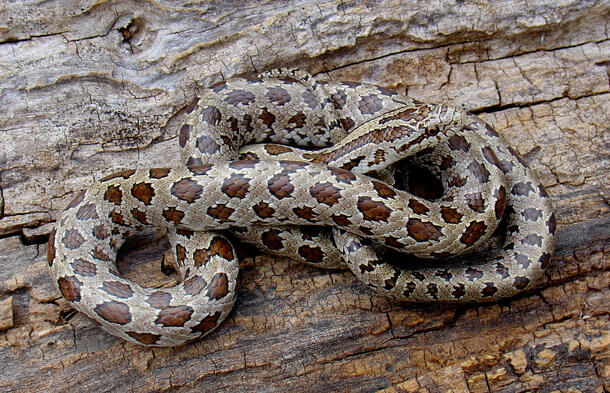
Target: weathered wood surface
89	87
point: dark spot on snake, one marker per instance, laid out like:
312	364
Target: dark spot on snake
347	123
275	150
117	289
77	200
325	193
552	224
297	121
391	241
500	205
311	254
174	316
473	232
263	210
545	260
432	290
196	166
373	210
517	156
309	99
272	240
390	283
339	98
100	255
473	274
69	287
185	134
383	190
267	117
342	175
523	261
366	268
533	240
220	212
72	239
201	257
143	192
341	219
370	104
459	291
418	207
144	338
479	171
475	202
502	270
451	215
51	247
208	323
446	162
489	131
207	145
114	312
140	216
489	290
192	105
292	166
159	299
180	254
195	285
458	142
117	218
244	164
506	166
84	268
531	214
113	194
100	232
218	86
173	215
211	115
491	157
278	95
219	286
309	232
423	231
444	274
126	174
409	289
279	185
306	212
236	96
159	173
521	282
187	190
365	230
352	163
220	246
456	181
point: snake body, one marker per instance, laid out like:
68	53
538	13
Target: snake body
284	199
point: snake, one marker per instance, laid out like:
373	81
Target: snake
307	169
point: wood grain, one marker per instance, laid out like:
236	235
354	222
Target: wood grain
91	87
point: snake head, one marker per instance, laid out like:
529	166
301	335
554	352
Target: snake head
441	117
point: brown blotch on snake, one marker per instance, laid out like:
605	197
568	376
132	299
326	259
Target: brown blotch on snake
70	288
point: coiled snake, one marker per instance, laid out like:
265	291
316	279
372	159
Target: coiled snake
283	200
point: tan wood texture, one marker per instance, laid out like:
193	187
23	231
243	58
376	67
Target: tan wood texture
91	87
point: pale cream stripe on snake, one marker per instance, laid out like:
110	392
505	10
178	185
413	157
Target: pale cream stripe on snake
283	200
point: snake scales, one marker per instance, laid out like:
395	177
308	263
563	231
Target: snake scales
283	200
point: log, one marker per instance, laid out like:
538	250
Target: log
92	87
